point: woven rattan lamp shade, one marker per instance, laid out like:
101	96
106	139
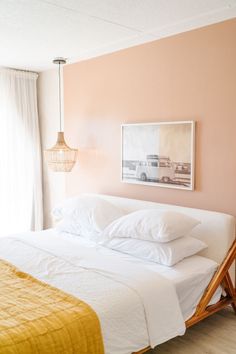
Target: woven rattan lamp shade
60	158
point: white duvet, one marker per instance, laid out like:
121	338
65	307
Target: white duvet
136	306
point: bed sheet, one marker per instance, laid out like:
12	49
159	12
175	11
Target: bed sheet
125	333
191	277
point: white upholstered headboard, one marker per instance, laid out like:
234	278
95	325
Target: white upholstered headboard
217	230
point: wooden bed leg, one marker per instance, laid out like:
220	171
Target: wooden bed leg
230	290
221	277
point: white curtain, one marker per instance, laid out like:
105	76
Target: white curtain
20	153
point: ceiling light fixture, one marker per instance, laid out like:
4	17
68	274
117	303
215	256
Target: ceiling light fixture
60	158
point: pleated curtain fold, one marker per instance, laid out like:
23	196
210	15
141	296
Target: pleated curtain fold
21	207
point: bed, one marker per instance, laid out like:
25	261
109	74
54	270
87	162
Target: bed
122	289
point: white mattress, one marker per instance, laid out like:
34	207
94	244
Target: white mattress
121	314
190	277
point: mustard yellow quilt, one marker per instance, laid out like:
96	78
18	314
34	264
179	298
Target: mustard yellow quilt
37	318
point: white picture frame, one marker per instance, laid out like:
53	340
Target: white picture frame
159	154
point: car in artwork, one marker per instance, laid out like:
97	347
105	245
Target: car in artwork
155	168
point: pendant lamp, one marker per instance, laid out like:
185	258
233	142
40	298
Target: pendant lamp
60	158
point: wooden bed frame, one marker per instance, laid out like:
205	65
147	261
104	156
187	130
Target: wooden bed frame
221	277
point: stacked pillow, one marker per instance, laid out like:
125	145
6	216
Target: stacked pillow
152	234
85	216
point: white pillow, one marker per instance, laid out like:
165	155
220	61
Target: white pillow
151	225
86	214
168	253
69	225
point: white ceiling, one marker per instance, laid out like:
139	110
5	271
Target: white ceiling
33	32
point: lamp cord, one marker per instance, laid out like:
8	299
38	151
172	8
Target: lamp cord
59	79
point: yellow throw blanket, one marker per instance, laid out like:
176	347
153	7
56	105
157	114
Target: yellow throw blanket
37	318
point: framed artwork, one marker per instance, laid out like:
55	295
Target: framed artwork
159	154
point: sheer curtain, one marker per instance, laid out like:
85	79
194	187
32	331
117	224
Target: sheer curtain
20	153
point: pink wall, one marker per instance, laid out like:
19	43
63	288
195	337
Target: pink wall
183	77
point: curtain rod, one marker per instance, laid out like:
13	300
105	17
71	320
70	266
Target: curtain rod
26	71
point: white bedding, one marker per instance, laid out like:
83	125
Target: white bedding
190	277
136	301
